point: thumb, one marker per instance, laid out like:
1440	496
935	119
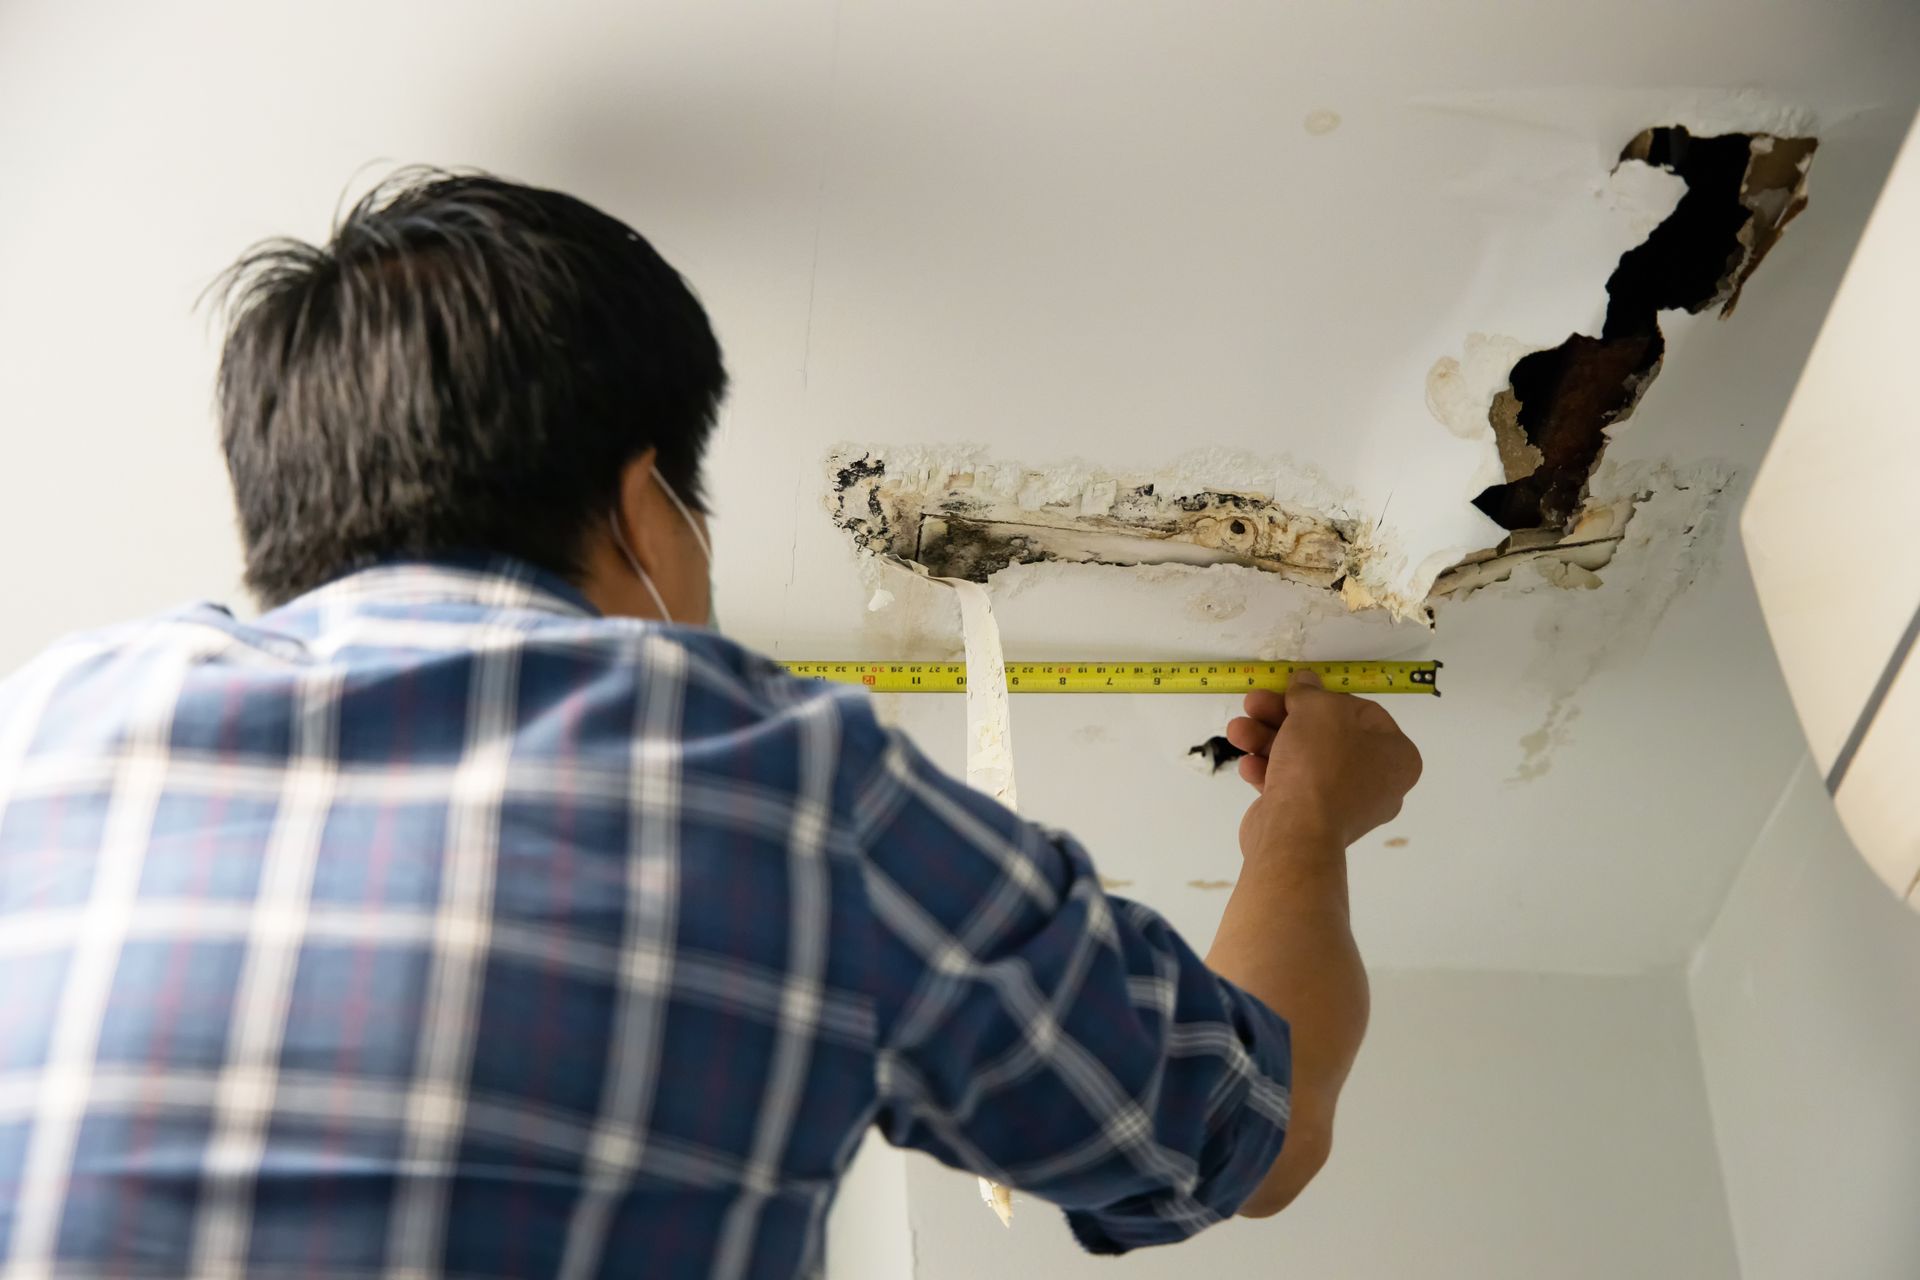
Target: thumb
1299	682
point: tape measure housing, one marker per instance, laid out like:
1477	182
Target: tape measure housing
1130	677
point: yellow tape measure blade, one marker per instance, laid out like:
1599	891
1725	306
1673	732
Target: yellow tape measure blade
1357	676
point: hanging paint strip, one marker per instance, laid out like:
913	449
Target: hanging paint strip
989	749
1368	677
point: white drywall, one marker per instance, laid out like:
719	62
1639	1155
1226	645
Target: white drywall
1497	1127
1118	230
1848	450
1806	994
1847	444
868	1236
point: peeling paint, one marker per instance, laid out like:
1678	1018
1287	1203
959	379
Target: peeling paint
1655	537
1569	560
923	621
1775	191
1459	388
962	517
1568	575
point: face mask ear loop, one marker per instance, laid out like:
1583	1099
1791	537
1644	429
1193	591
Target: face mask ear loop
686	515
633	563
706	549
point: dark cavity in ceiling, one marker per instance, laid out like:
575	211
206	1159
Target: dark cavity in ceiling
1217	752
1551	422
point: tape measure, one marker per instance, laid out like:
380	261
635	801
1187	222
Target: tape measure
1131	677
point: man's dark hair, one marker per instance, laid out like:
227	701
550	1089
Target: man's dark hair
466	366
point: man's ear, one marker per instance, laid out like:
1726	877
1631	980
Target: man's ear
637	510
665	543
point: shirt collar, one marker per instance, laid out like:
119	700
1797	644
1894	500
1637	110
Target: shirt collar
492	581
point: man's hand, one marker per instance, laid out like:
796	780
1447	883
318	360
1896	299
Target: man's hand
1327	765
1329	768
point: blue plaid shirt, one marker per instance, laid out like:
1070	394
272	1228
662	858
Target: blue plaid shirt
434	925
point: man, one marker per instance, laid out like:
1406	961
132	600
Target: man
478	912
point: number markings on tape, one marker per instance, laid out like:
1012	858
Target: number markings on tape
1130	677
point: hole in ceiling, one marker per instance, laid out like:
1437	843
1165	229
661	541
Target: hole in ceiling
1215	754
1551	423
955	513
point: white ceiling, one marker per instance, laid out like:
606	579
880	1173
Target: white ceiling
1096	231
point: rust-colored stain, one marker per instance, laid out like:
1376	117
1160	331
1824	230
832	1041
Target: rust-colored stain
1108	882
1398	842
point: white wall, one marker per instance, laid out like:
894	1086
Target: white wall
868	1236
1498	1127
1807	998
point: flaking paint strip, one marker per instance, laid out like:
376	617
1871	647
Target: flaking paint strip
989	719
989	749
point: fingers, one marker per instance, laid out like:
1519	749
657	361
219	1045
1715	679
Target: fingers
1302	686
1271	708
1254	770
1251	735
1266	706
1373	715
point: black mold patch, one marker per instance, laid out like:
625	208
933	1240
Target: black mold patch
973	551
865	468
1214	500
863	517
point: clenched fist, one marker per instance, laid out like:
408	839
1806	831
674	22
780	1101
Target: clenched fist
1328	766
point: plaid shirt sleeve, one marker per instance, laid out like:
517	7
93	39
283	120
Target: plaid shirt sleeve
1038	1032
432	926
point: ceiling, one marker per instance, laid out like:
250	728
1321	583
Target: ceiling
1225	244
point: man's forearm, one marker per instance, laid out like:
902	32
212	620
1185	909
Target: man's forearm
1286	938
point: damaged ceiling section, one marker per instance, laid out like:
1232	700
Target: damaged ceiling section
957	513
1551	422
958	516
